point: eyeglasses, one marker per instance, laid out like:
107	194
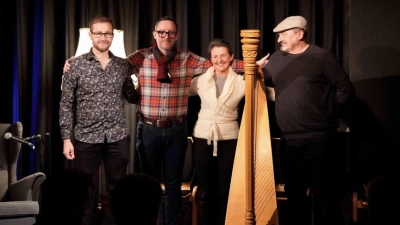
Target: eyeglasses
171	34
99	35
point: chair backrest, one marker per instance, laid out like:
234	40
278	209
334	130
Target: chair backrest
9	152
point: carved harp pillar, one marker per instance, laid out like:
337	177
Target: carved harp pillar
252	197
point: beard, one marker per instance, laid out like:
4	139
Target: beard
284	48
104	46
167	45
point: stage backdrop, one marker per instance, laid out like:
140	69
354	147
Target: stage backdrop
41	34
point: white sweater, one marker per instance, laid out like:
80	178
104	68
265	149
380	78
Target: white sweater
217	119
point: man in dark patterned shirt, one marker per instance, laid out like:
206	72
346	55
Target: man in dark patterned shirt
93	86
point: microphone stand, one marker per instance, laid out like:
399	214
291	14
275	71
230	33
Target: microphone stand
38	138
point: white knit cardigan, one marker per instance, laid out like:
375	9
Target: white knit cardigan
217	116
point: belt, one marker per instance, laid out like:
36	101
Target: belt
162	122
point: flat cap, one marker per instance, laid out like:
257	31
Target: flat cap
290	23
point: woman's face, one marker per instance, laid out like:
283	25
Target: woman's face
221	59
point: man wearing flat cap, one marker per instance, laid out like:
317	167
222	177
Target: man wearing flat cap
309	86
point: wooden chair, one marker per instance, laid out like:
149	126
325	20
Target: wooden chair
376	202
359	203
282	198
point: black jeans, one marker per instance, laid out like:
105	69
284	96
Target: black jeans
115	157
214	178
164	146
317	164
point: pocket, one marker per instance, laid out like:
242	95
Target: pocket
181	127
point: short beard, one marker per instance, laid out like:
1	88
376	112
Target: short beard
284	48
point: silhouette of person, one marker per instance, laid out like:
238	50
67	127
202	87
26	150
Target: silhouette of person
65	197
136	200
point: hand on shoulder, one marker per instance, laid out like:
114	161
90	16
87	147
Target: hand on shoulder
67	66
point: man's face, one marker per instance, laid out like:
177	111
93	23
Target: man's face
166	43
289	39
102	43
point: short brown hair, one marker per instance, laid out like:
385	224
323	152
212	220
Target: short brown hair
217	42
101	19
166	18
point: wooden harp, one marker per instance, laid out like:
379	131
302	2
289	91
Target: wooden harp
252	196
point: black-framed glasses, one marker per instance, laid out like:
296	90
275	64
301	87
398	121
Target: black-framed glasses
163	33
99	35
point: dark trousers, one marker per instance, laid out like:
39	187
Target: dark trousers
214	178
164	147
315	163
115	157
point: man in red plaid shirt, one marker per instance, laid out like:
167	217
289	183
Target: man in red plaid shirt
164	76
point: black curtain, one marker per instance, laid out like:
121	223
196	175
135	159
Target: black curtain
41	34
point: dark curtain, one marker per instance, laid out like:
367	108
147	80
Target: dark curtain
41	34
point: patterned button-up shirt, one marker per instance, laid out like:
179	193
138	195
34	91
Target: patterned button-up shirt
168	100
96	93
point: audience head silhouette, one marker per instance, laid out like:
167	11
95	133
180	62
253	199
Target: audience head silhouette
136	199
65	195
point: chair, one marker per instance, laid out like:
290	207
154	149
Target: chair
189	189
18	198
281	198
383	197
359	204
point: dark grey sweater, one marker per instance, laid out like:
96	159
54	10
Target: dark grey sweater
308	87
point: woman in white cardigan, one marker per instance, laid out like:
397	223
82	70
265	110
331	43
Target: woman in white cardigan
216	131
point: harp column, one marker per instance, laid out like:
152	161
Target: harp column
250	40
